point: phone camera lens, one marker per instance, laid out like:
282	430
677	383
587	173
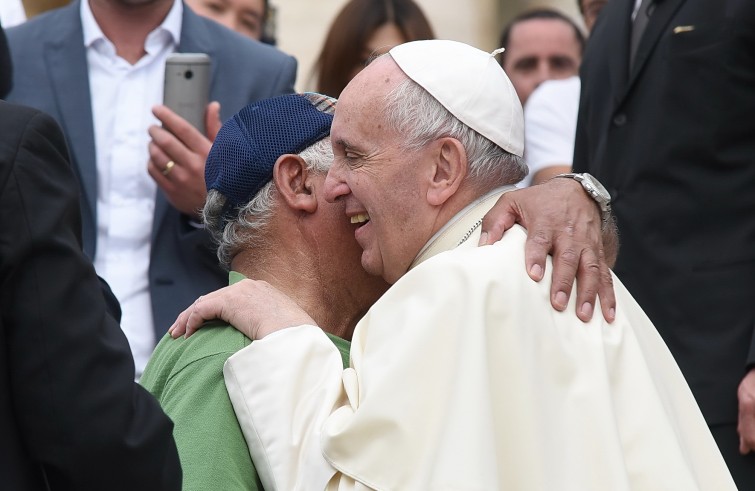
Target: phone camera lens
188	74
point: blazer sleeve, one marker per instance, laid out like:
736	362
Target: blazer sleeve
287	76
580	161
79	412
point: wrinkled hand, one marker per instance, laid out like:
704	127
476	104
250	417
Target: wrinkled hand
255	308
746	424
178	141
561	219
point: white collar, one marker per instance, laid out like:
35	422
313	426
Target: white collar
448	237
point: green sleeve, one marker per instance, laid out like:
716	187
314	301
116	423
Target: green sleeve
213	452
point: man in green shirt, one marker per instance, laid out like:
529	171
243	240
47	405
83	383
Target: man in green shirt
266	212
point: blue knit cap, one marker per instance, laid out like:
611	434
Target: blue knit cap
246	148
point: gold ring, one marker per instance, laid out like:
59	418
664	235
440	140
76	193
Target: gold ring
168	167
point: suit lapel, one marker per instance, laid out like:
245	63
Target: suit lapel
619	24
196	39
657	25
65	57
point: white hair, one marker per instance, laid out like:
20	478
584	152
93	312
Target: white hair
421	119
248	226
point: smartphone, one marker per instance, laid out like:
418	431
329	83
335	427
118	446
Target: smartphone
187	86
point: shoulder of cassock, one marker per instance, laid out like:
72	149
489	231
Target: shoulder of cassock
464	377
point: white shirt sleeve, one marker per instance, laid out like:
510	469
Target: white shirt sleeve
550	125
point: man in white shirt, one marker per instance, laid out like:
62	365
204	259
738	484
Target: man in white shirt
550	125
550	117
97	66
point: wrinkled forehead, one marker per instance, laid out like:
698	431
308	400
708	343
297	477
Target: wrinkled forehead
363	100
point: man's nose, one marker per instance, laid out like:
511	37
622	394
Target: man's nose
544	73
335	186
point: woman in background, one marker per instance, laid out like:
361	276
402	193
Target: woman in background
364	28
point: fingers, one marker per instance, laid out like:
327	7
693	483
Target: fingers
746	421
500	218
594	280
178	328
743	448
536	249
178	126
606	293
199	316
565	266
204	308
184	184
212	120
588	283
156	168
169	146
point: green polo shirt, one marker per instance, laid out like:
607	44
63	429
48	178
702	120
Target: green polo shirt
186	377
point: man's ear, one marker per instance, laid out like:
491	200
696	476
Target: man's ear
448	171
294	184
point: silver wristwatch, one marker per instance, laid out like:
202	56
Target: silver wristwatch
596	191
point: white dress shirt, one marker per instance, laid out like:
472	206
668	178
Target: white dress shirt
12	13
550	125
636	8
122	98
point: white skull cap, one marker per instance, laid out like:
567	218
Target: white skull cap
470	84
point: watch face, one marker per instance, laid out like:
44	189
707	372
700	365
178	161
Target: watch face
600	191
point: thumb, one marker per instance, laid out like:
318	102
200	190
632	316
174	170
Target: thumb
213	122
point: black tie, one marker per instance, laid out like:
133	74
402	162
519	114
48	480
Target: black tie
638	27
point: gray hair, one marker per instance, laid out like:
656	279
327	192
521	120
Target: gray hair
421	119
247	228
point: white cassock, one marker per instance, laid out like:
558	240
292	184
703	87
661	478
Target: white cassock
463	377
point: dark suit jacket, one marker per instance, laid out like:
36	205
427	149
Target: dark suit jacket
70	412
51	74
674	143
6	71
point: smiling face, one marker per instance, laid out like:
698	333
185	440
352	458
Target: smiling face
338	256
382	185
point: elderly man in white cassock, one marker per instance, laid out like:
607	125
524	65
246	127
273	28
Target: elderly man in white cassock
461	377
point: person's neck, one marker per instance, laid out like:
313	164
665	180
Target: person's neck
292	267
465	195
127	26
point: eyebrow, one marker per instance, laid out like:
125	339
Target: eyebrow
341	142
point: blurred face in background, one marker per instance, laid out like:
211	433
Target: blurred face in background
382	40
540	50
243	16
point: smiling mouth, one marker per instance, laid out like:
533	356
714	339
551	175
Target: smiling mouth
360	219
